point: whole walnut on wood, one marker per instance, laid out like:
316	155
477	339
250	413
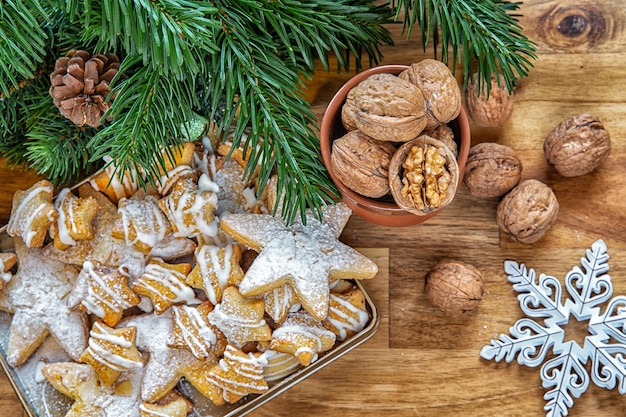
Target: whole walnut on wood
492	110
492	170
362	163
387	108
440	88
577	145
455	287
80	85
528	211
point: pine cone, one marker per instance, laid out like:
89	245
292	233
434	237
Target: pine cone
80	85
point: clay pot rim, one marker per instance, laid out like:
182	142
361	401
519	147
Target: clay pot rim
373	210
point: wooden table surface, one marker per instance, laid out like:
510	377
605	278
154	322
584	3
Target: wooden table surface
421	363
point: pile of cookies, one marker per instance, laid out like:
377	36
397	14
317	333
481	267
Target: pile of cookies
191	279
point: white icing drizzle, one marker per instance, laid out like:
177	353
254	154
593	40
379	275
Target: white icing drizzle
249	367
156	275
150	223
99	350
351	318
167	181
95	302
279	365
5	276
18	224
65	217
192	204
121	188
195	331
209	255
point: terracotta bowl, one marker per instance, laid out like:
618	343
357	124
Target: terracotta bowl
383	211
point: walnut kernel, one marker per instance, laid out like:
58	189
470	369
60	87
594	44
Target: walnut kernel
528	211
362	163
492	110
423	175
492	170
455	287
577	145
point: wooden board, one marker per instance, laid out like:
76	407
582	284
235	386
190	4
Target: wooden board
421	363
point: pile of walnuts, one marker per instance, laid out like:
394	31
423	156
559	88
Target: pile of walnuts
529	208
398	143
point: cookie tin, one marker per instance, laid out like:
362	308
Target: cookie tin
40	399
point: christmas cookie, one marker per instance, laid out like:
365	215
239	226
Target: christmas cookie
166	365
193	331
7	261
279	302
142	223
238	374
32	213
36	295
164	284
111	351
305	256
302	336
217	267
240	318
75	219
279	365
347	314
103	292
190	207
172	405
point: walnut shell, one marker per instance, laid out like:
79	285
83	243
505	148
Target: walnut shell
445	134
423	175
527	212
388	108
455	287
440	88
491	111
491	170
577	145
362	163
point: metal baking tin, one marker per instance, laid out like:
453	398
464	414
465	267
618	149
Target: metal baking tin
41	400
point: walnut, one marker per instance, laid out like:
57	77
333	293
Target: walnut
388	108
445	134
577	146
489	110
423	175
455	287
491	170
528	211
440	89
362	163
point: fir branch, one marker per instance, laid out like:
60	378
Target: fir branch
22	42
171	36
151	112
479	32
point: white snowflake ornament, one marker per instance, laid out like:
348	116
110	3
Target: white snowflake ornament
567	375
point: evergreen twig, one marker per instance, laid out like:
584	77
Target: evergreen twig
480	33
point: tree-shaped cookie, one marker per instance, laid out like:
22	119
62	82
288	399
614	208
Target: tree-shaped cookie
238	374
111	351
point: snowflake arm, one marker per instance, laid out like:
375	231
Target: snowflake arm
568	378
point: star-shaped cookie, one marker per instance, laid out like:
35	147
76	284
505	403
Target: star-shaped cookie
166	365
305	256
36	295
32	212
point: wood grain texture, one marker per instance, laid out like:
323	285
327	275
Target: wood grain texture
421	363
